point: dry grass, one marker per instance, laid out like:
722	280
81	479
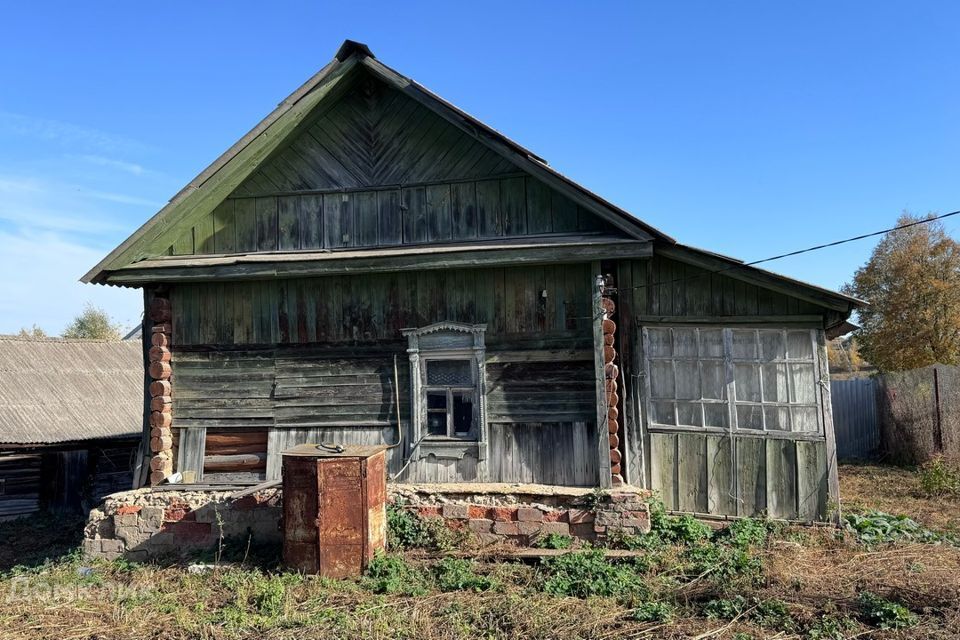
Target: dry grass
817	572
896	490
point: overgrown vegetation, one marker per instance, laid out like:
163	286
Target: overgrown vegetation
407	530
940	477
750	579
876	527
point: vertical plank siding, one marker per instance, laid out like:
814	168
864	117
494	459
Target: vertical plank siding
434	213
724	475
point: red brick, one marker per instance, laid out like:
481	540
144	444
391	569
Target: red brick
584	531
476	511
580	516
528	528
187	530
555	516
480	525
503	514
455	511
128	508
529	514
428	511
506	528
177	511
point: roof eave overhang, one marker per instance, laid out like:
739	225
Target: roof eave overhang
312	264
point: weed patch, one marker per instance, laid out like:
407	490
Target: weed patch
653	612
454	574
883	613
391	574
939	477
587	573
875	527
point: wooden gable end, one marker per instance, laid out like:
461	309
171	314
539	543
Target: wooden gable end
379	169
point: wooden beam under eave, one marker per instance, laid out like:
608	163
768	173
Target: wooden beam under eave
260	269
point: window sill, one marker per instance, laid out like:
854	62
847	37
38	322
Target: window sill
447	448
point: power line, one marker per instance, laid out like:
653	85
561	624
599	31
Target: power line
793	253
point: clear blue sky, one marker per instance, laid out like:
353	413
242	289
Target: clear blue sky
749	128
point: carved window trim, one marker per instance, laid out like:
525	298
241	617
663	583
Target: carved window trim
446	341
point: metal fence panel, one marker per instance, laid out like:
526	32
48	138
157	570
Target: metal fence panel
855	419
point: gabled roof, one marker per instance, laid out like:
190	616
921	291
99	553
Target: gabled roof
54	390
213	184
239	162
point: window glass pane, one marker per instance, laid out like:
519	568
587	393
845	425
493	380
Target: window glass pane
749	416
462	413
660	344
744	344
772	346
661	379
437	400
747	380
685	343
688	414
803	385
449	372
688	380
711	343
775	383
799	346
713	380
805	419
716	415
778	418
662	413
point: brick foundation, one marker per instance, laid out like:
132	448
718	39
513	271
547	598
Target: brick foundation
150	524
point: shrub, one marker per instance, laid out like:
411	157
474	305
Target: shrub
938	477
653	612
683	529
553	541
391	574
454	574
883	613
587	573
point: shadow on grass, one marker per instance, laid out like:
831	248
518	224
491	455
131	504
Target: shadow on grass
31	540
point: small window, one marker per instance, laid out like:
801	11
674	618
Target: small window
450	391
447	375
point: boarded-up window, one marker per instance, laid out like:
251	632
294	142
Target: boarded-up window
740	379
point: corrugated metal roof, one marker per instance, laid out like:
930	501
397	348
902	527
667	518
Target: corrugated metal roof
55	390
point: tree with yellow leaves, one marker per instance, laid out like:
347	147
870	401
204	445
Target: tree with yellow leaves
912	282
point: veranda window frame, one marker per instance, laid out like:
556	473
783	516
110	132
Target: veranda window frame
731	401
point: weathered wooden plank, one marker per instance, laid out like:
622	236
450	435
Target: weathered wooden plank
721	487
203	239
692	488
266	224
812	481
366	219
564	213
513	202
224	228
311	221
438	213
245	218
190	452
463	211
782	479
751	476
390	217
288	223
337	221
489	219
414	215
539	212
663	468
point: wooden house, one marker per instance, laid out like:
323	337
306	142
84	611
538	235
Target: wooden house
371	262
71	415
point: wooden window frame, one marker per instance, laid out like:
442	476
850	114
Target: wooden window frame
447	341
731	400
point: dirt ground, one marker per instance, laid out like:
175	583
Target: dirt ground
896	490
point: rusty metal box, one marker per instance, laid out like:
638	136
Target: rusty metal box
334	508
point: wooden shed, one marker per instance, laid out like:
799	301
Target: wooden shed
71	415
371	257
